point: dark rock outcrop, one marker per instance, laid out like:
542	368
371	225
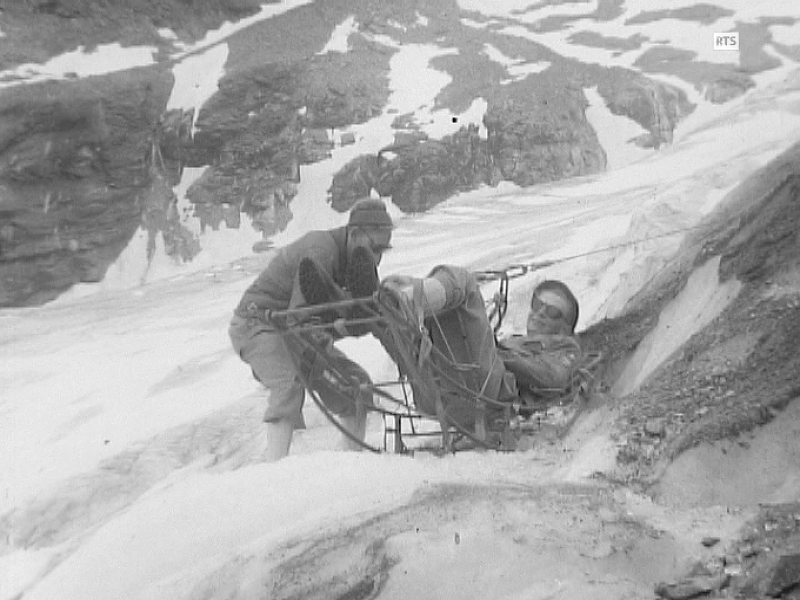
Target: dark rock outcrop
263	124
75	171
64	25
766	559
430	171
535	133
728	87
250	133
356	180
655	106
84	164
541	134
417	173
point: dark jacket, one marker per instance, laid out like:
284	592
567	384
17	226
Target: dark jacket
277	287
542	363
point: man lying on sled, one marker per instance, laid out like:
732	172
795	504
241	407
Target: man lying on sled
545	359
449	307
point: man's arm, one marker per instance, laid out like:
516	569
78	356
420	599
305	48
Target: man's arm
539	363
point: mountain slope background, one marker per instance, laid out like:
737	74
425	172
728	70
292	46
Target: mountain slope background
88	158
133	445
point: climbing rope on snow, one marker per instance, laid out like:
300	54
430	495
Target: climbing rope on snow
515	270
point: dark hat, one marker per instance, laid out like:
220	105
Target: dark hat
369	212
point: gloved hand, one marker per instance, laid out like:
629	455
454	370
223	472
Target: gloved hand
316	288
322	339
313	284
361	276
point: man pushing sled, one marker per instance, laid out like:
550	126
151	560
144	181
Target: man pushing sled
435	328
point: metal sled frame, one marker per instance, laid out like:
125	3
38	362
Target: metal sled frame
307	337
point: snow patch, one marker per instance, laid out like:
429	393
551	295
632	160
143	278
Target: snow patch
681	34
197	521
758	467
197	79
339	38
473	24
714	197
615	133
700	302
743	10
167	33
526	11
20	569
105	58
228	28
518	68
788	35
414	83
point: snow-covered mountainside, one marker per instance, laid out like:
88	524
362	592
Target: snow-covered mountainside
660	175
154	142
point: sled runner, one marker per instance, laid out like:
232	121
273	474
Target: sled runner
428	406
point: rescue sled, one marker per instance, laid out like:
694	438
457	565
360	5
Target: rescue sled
416	407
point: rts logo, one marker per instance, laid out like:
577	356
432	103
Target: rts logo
726	41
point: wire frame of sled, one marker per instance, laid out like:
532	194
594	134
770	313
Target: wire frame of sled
405	335
582	381
305	368
408	342
298	344
393	321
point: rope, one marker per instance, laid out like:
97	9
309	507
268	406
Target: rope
519	269
297	323
513	271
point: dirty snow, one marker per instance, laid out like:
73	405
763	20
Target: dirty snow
702	299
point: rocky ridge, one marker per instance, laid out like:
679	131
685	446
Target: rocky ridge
268	118
732	377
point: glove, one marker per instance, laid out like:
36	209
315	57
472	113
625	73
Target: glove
361	276
315	288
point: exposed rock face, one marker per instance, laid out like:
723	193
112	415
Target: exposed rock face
74	175
536	138
428	172
262	125
355	180
416	173
536	133
79	173
251	133
62	25
655	106
727	88
84	164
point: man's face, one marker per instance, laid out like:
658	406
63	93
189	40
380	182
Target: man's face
549	314
377	239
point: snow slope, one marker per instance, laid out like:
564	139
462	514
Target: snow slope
132	454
